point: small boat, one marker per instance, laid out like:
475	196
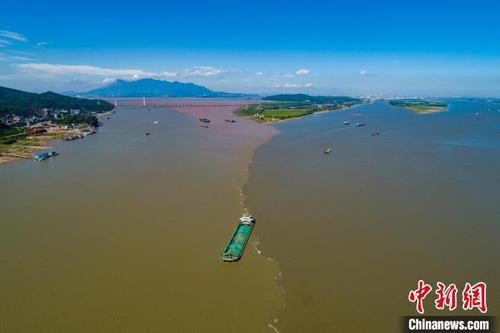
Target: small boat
236	244
88	132
375	134
45	155
147	133
346	123
360	124
155	122
328	151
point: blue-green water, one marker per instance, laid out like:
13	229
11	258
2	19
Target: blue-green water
354	230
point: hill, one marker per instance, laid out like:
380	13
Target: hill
23	103
156	88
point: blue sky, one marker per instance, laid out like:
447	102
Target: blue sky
444	48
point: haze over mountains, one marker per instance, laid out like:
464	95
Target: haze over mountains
156	88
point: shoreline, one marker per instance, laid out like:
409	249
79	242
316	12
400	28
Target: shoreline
34	143
426	111
419	106
263	121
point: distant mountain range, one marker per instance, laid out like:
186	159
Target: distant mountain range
156	88
23	103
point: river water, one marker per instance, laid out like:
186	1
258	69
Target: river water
122	231
353	231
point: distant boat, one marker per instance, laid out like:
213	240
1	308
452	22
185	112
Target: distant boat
477	113
155	122
375	134
328	151
45	155
147	133
360	124
346	123
88	132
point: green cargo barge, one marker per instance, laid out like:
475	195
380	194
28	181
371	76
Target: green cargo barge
236	245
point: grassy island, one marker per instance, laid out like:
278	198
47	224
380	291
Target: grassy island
286	106
419	106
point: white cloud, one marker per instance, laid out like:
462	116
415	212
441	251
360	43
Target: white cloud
259	73
199	72
291	85
294	85
169	75
80	69
108	80
41	44
13	35
6	77
367	73
20	58
4	42
303	71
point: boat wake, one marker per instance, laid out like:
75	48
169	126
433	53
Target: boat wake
277	281
255	241
271	326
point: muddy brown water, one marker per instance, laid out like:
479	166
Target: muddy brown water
122	232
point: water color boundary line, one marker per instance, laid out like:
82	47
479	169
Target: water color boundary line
255	240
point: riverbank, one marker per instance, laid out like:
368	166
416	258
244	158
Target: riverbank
26	147
29	140
420	106
287	115
291	106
